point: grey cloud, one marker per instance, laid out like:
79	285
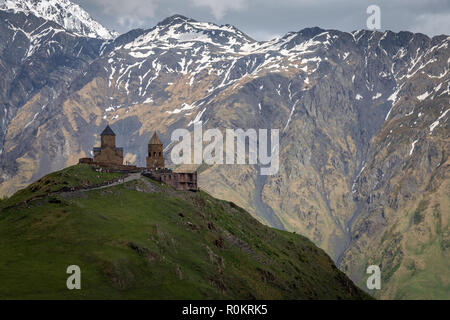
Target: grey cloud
220	7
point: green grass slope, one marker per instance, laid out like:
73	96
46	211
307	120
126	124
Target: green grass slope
78	176
143	240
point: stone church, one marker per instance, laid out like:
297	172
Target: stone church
108	153
155	156
110	158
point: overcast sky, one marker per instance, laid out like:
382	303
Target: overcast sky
266	19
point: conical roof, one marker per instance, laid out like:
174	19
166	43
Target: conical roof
155	139
108	131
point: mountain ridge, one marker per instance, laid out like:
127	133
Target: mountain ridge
64	12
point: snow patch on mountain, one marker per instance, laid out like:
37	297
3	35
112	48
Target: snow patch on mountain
423	96
413	146
67	14
436	123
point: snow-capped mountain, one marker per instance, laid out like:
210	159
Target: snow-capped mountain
67	14
181	31
363	119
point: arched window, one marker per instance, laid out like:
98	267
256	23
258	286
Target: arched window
160	154
154	154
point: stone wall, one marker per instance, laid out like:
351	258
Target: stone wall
155	157
186	181
109	167
109	155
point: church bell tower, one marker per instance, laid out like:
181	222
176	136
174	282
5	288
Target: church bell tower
155	157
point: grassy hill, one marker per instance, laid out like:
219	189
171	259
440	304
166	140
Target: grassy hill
144	240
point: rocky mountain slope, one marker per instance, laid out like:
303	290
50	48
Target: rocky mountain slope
65	13
362	116
143	240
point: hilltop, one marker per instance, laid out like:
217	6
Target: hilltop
141	239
